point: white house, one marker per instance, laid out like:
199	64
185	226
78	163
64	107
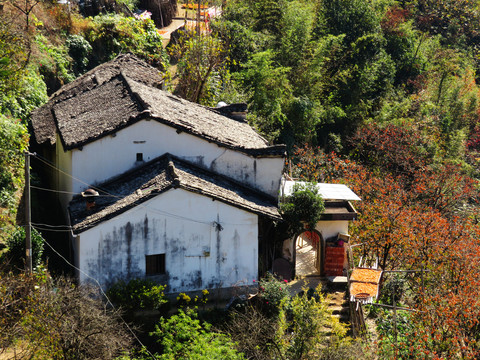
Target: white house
184	190
115	118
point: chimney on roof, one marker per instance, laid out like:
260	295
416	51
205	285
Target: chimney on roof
89	195
235	111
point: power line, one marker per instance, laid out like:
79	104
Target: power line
52	230
53	226
162	212
66	192
49	163
53	190
103	294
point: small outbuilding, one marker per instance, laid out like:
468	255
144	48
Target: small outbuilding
321	251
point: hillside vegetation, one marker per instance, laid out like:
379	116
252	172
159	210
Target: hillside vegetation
380	95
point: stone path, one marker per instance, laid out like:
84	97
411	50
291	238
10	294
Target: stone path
307	276
305	258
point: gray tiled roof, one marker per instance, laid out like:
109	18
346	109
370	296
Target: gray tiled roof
119	98
43	118
157	176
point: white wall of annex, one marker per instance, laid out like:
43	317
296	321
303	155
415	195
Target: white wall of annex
332	228
113	155
181	225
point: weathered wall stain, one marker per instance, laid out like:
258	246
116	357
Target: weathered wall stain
207	254
145	227
128	238
236	240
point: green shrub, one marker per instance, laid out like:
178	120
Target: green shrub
304	327
111	35
273	293
303	323
138	294
182	336
16	253
393	288
184	300
79	49
29	93
399	345
54	63
304	206
13	142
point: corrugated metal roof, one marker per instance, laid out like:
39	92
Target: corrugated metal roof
327	191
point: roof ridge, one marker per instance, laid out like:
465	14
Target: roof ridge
144	104
172	173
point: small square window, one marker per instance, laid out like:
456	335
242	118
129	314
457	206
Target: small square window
155	264
139	156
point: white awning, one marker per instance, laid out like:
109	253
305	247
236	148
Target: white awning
327	191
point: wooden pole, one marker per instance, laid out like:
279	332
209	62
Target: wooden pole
423	290
395	320
28	234
198	18
186	14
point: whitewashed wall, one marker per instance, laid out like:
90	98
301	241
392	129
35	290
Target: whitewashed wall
332	228
179	224
113	155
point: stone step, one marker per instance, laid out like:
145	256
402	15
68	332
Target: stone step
339	305
343	318
337	283
338	310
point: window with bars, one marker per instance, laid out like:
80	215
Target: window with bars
155	264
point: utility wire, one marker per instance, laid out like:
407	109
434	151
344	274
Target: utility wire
103	294
53	190
162	212
67	192
53	226
49	163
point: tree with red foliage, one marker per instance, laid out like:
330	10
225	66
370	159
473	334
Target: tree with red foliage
400	150
412	225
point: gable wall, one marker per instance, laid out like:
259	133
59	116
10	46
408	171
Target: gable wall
198	256
113	155
64	182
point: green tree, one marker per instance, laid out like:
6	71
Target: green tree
183	336
200	59
303	209
354	18
296	27
16	253
269	92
